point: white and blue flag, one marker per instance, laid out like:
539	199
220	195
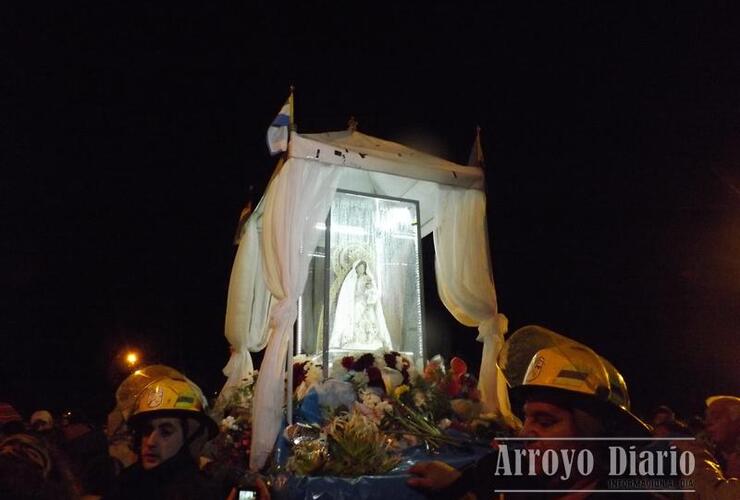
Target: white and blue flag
277	134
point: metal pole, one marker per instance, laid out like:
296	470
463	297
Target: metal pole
289	374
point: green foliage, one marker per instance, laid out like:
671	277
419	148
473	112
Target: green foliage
353	446
357	447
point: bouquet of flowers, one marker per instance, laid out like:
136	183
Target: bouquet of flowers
228	452
382	370
358	421
443	398
349	444
454	394
350	438
362	371
414	424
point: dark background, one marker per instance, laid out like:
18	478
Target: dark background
130	136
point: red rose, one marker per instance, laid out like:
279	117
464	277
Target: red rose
458	367
453	387
347	362
364	362
299	373
375	378
390	359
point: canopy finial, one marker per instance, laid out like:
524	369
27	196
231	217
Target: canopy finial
476	152
293	126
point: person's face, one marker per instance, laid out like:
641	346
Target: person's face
161	439
661	431
719	425
547	420
661	418
41	425
360	269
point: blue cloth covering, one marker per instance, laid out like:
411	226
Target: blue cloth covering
309	411
389	486
282	448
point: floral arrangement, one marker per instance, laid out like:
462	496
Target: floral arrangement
391	407
453	397
381	370
229	450
350	444
358	447
425	407
373	406
306	374
360	419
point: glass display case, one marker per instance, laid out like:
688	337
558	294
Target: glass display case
364	287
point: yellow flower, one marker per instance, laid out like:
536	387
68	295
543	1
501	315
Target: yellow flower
400	390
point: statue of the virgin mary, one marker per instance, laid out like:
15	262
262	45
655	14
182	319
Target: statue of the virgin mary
359	322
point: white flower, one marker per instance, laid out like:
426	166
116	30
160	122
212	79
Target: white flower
301	391
373	401
444	423
359	378
384	407
419	399
313	374
379	359
338	371
229	423
392	378
369	398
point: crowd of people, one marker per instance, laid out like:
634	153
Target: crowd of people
154	452
52	458
573	401
152	448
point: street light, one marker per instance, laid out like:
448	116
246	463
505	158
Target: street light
132	359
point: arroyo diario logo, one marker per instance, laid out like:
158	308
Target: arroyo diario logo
594	465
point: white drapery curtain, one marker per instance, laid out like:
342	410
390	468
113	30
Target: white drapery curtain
247	306
295	209
465	284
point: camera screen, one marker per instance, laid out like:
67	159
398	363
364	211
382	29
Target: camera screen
247	495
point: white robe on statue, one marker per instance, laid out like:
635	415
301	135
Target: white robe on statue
359	322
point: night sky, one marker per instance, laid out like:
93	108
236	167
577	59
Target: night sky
130	137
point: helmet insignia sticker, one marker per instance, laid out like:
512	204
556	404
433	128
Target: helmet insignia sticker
155	397
536	369
185	401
